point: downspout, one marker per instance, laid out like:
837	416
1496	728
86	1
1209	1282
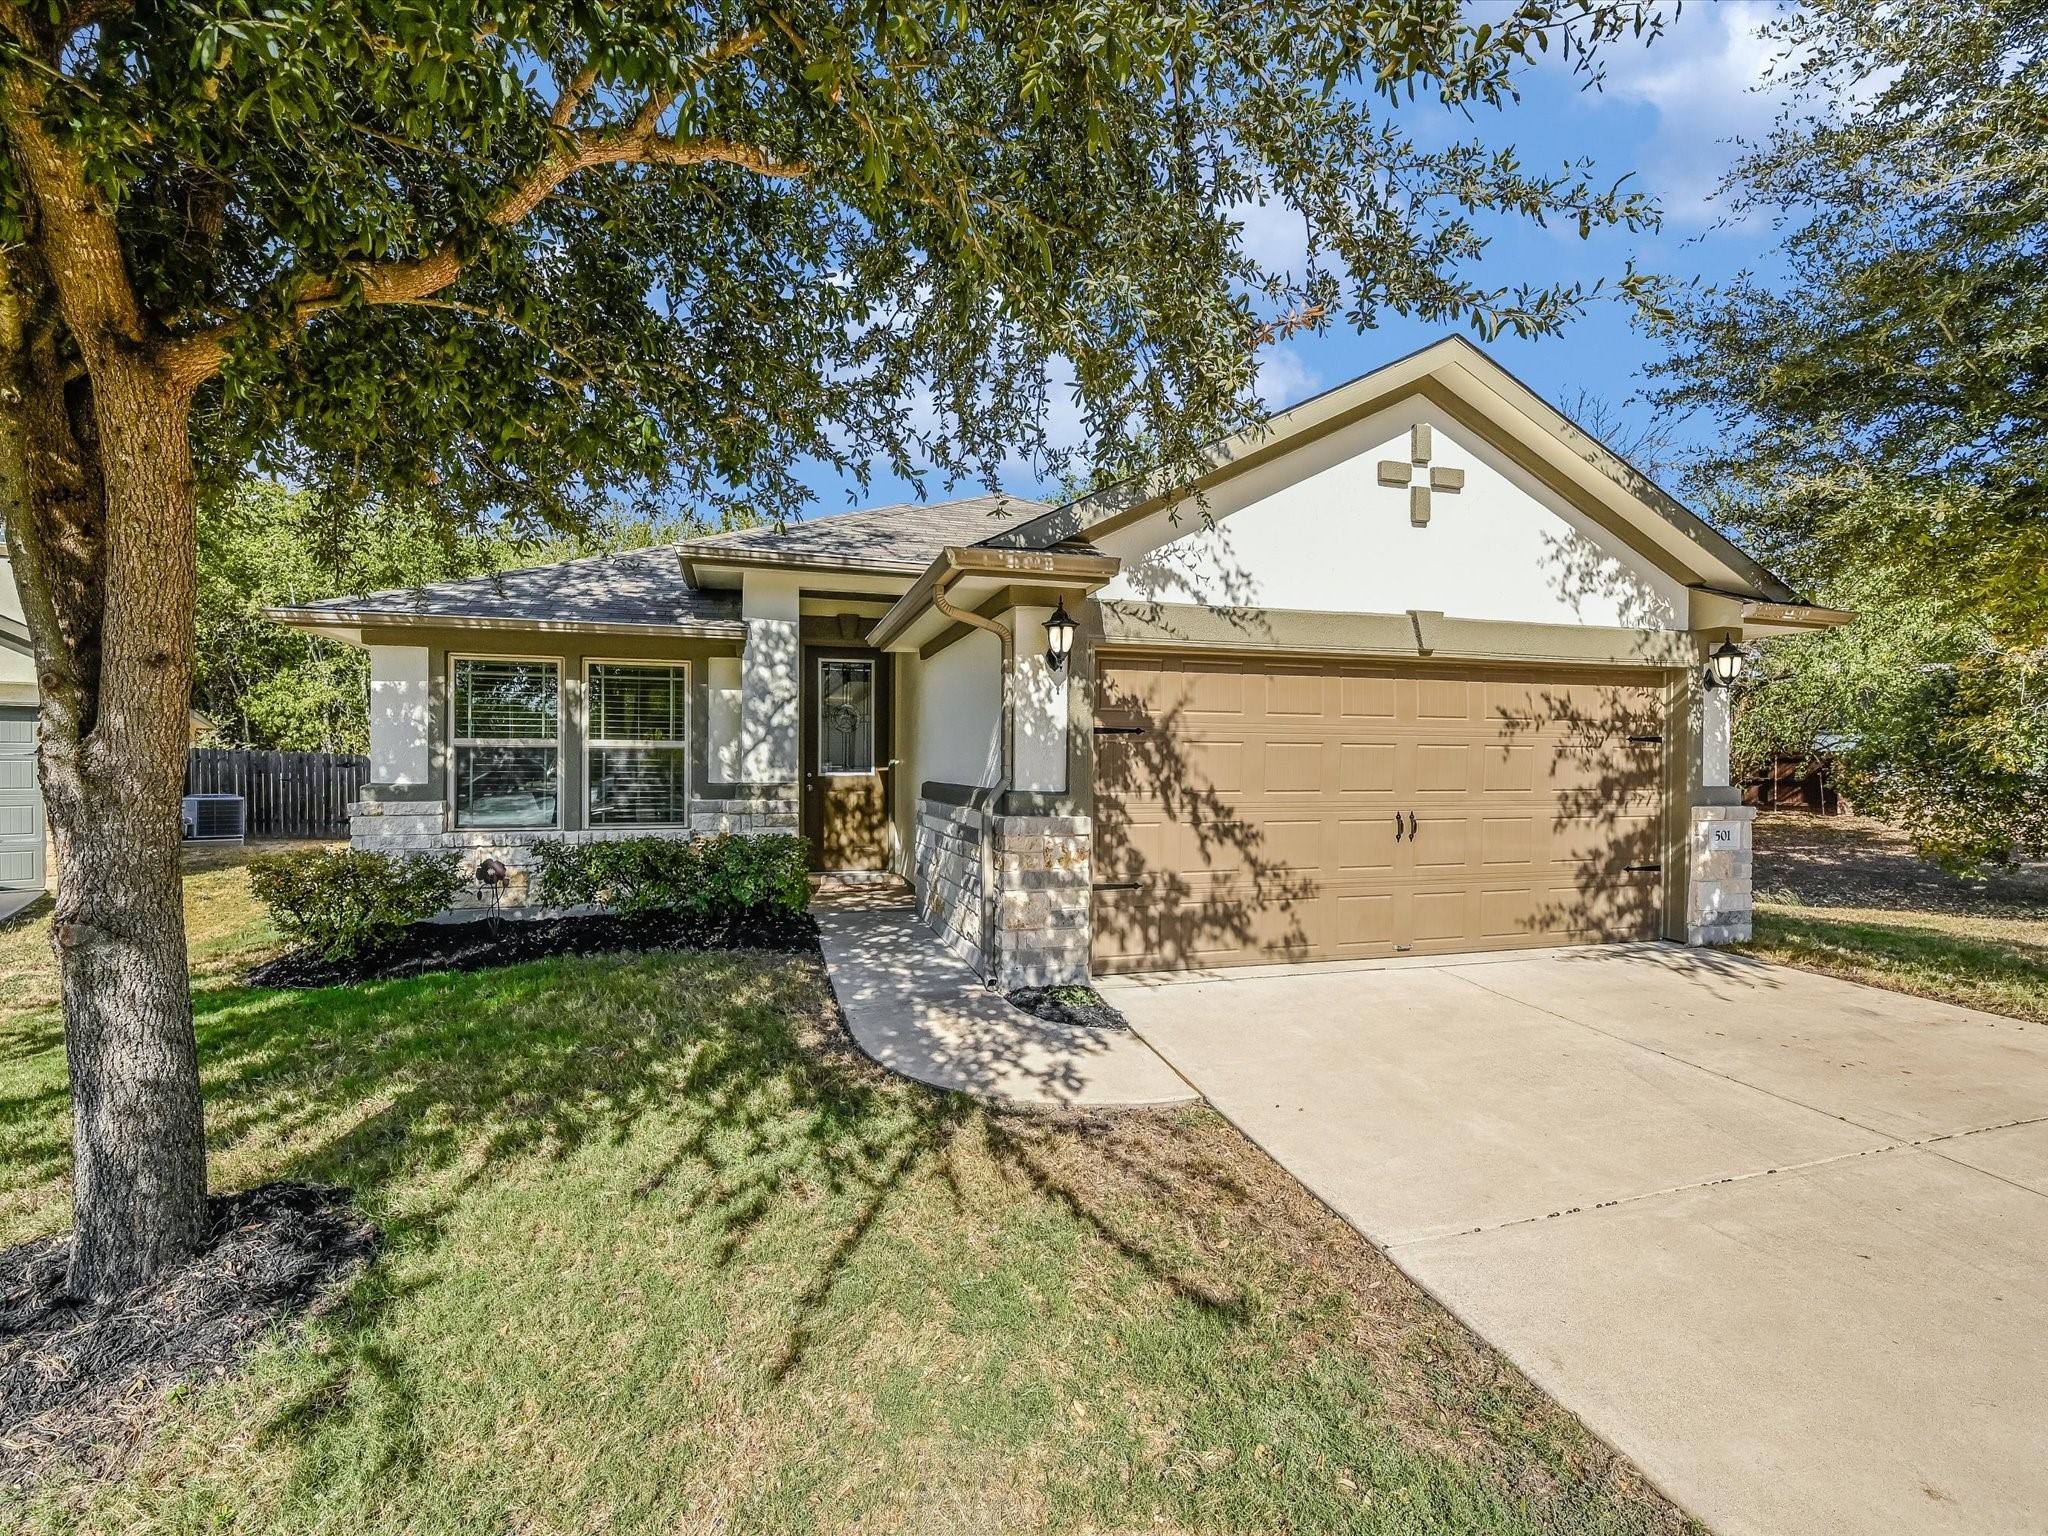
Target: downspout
991	897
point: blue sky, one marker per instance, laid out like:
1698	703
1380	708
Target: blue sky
1666	116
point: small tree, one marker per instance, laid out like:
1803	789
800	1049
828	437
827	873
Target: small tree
511	260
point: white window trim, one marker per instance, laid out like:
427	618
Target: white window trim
561	667
592	743
818	713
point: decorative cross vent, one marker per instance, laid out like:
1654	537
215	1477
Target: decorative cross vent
1394	472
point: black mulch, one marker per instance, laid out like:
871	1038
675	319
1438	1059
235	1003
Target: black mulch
480	945
1078	1007
82	1381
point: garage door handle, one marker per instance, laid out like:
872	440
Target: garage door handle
1411	826
1397	826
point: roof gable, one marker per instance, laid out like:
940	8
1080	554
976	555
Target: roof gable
1471	387
1410	507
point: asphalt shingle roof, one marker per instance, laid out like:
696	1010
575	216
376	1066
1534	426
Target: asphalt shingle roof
907	536
644	586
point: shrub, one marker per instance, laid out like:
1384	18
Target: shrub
717	879
343	903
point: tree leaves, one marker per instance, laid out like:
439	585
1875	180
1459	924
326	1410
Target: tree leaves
450	254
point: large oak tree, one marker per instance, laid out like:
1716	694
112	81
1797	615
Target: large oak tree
527	258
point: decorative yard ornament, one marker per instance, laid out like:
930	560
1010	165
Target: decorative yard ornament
1059	638
1394	472
1724	665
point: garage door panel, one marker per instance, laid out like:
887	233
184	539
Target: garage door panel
1294	691
1263	826
1366	767
1443	768
1364	919
1366	845
1364	697
1293	768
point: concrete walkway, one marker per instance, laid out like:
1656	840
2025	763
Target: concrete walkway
920	1012
1781	1239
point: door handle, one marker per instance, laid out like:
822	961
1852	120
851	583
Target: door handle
1411	826
1397	826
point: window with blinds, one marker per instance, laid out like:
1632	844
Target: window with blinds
639	746
504	734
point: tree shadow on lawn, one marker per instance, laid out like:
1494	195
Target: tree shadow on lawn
418	1092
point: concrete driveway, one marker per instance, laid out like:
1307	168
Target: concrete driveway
1783	1240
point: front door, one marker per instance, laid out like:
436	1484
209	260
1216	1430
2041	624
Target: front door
846	759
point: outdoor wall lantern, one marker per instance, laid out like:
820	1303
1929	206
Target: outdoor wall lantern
1724	664
1059	638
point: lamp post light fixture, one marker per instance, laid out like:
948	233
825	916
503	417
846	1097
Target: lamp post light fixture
1724	665
1059	638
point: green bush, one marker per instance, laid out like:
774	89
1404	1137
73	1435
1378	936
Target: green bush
717	879
343	903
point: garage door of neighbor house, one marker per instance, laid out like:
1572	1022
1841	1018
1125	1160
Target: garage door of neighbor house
1249	811
21	802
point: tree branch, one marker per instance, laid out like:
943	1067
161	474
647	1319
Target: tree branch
193	359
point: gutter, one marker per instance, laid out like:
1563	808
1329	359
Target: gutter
1058	568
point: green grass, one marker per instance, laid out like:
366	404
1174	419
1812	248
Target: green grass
665	1255
1999	963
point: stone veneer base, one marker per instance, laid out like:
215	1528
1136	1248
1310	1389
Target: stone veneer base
1718	899
1034	933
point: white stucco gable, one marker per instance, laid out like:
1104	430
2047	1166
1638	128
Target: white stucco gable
1314	528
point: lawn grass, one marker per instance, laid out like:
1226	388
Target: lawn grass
665	1255
1996	963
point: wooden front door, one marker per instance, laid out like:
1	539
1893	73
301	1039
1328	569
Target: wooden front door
1249	810
846	758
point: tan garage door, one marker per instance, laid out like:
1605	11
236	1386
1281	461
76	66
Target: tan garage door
1254	811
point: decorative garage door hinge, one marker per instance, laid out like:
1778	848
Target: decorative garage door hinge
1116	885
1644	869
1119	730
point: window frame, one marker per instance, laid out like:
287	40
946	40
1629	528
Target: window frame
874	709
560	664
593	743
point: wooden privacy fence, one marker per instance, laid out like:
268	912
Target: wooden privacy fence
290	794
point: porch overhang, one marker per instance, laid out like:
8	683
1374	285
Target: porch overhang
977	577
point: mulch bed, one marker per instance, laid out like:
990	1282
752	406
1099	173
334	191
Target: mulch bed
83	1381
481	945
1079	1008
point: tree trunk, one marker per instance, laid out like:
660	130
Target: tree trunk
96	487
138	1137
97	490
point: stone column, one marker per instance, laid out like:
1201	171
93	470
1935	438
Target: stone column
1720	850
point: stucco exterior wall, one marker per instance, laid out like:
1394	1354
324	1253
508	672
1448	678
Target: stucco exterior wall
1314	529
958	722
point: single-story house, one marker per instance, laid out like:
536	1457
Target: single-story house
23	836
1415	667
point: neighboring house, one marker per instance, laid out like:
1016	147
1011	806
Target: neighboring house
1420	672
21	792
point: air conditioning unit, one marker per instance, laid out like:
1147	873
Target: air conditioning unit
216	818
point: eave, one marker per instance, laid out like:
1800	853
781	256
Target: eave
972	574
358	619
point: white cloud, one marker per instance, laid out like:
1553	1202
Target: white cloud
1706	79
1285	377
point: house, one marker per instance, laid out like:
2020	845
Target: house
22	834
1415	667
